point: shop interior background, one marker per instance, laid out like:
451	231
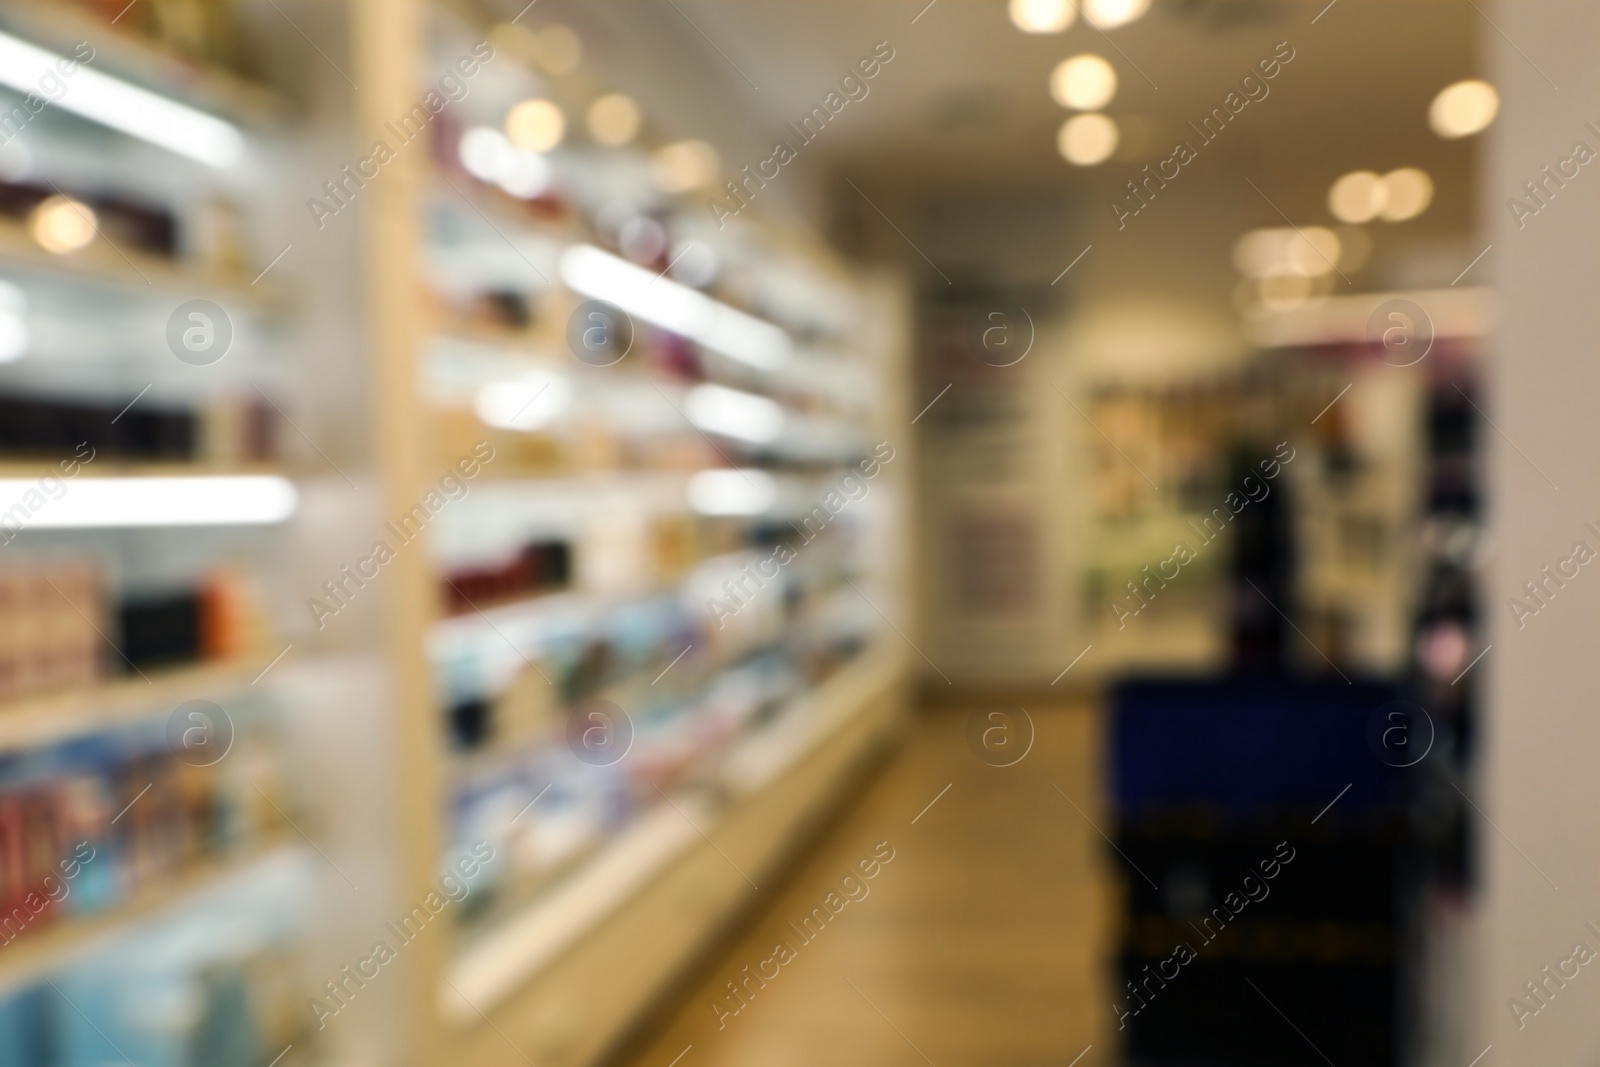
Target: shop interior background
668	533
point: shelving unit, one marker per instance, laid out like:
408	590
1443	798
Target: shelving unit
601	559
579	562
33	954
40	720
188	519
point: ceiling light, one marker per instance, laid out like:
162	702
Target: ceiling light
101	502
731	413
525	404
613	119
1085	82
1042	16
1285	250
1410	192
61	224
1313	250
1109	14
559	49
1358	197
535	125
121	106
732	492
1085	140
684	165
1463	109
665	303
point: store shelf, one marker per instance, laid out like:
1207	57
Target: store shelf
104	263
489	972
35	721
58	26
486	622
504	959
107	468
35	952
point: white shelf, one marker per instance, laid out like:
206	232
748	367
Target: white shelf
490	971
501	961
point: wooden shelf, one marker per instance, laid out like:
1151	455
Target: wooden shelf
102	263
33	953
34	721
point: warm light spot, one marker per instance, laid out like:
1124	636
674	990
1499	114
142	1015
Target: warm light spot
613	119
536	125
1042	16
1285	250
1358	197
62	224
1085	82
1463	109
1109	14
1410	193
1085	140
559	49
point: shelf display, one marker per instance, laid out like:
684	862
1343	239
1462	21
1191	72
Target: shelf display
156	886
675	541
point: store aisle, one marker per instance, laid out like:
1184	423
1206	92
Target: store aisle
982	941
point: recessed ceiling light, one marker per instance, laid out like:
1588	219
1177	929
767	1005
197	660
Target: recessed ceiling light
1463	109
1085	82
560	51
1042	16
613	119
1357	197
1280	250
1085	140
1109	14
1410	192
536	125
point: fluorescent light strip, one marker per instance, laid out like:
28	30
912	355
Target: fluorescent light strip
732	492
108	503
115	103
718	409
671	306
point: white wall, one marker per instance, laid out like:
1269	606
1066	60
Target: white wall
1539	781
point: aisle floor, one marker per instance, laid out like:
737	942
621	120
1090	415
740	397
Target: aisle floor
982	941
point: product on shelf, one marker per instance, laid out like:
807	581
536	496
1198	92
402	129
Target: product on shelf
60	628
225	433
220	983
125	222
201	31
97	821
48	639
540	567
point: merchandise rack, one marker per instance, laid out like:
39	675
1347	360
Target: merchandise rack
102	305
559	974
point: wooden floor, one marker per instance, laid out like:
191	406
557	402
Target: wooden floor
983	942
